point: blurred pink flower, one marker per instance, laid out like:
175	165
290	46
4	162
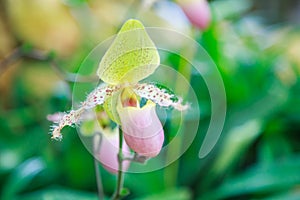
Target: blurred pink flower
106	148
197	11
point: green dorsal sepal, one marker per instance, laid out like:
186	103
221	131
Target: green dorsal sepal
131	57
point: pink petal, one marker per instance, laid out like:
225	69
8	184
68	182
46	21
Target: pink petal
56	117
107	152
143	132
149	147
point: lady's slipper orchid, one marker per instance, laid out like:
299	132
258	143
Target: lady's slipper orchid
197	11
131	58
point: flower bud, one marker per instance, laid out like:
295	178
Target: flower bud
197	11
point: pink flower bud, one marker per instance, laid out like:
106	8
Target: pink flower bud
197	11
143	132
107	149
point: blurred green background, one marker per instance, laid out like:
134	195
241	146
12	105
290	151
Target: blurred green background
256	46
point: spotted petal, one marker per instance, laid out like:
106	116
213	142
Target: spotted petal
159	95
96	97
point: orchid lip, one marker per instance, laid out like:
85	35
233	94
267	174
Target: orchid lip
139	122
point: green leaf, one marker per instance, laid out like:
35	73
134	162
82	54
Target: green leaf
58	194
280	175
131	57
292	195
172	194
237	141
22	176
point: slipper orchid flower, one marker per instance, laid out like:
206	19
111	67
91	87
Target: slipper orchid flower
131	58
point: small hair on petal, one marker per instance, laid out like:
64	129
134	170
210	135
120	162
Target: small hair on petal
96	97
65	119
179	106
56	135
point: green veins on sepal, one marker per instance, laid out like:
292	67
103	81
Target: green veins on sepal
131	57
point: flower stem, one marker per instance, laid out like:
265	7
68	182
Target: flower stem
117	195
97	145
99	180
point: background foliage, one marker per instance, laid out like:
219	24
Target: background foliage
256	45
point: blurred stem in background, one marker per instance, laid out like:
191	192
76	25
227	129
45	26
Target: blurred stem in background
98	179
97	165
184	69
28	51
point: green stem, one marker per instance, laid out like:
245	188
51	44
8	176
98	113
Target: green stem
97	146
171	174
99	180
120	180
